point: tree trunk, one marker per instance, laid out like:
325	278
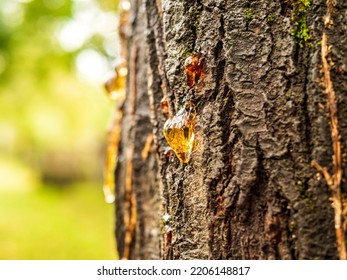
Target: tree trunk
270	146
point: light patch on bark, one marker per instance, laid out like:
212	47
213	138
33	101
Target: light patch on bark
333	180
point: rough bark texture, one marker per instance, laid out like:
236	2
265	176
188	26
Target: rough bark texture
249	190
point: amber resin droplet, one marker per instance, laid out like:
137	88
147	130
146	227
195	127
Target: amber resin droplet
193	66
179	132
116	85
164	105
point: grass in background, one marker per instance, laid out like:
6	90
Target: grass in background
55	223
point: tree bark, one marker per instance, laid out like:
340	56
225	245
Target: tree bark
257	185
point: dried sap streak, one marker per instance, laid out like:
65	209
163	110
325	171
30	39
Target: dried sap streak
193	66
116	87
110	161
179	132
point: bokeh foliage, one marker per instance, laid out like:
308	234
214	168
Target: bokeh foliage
52	130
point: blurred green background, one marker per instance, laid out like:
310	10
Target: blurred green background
54	56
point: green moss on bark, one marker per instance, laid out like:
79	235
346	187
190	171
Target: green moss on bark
248	13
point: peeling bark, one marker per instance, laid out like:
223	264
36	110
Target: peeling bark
249	190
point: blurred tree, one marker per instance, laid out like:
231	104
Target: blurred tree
270	132
52	62
54	55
